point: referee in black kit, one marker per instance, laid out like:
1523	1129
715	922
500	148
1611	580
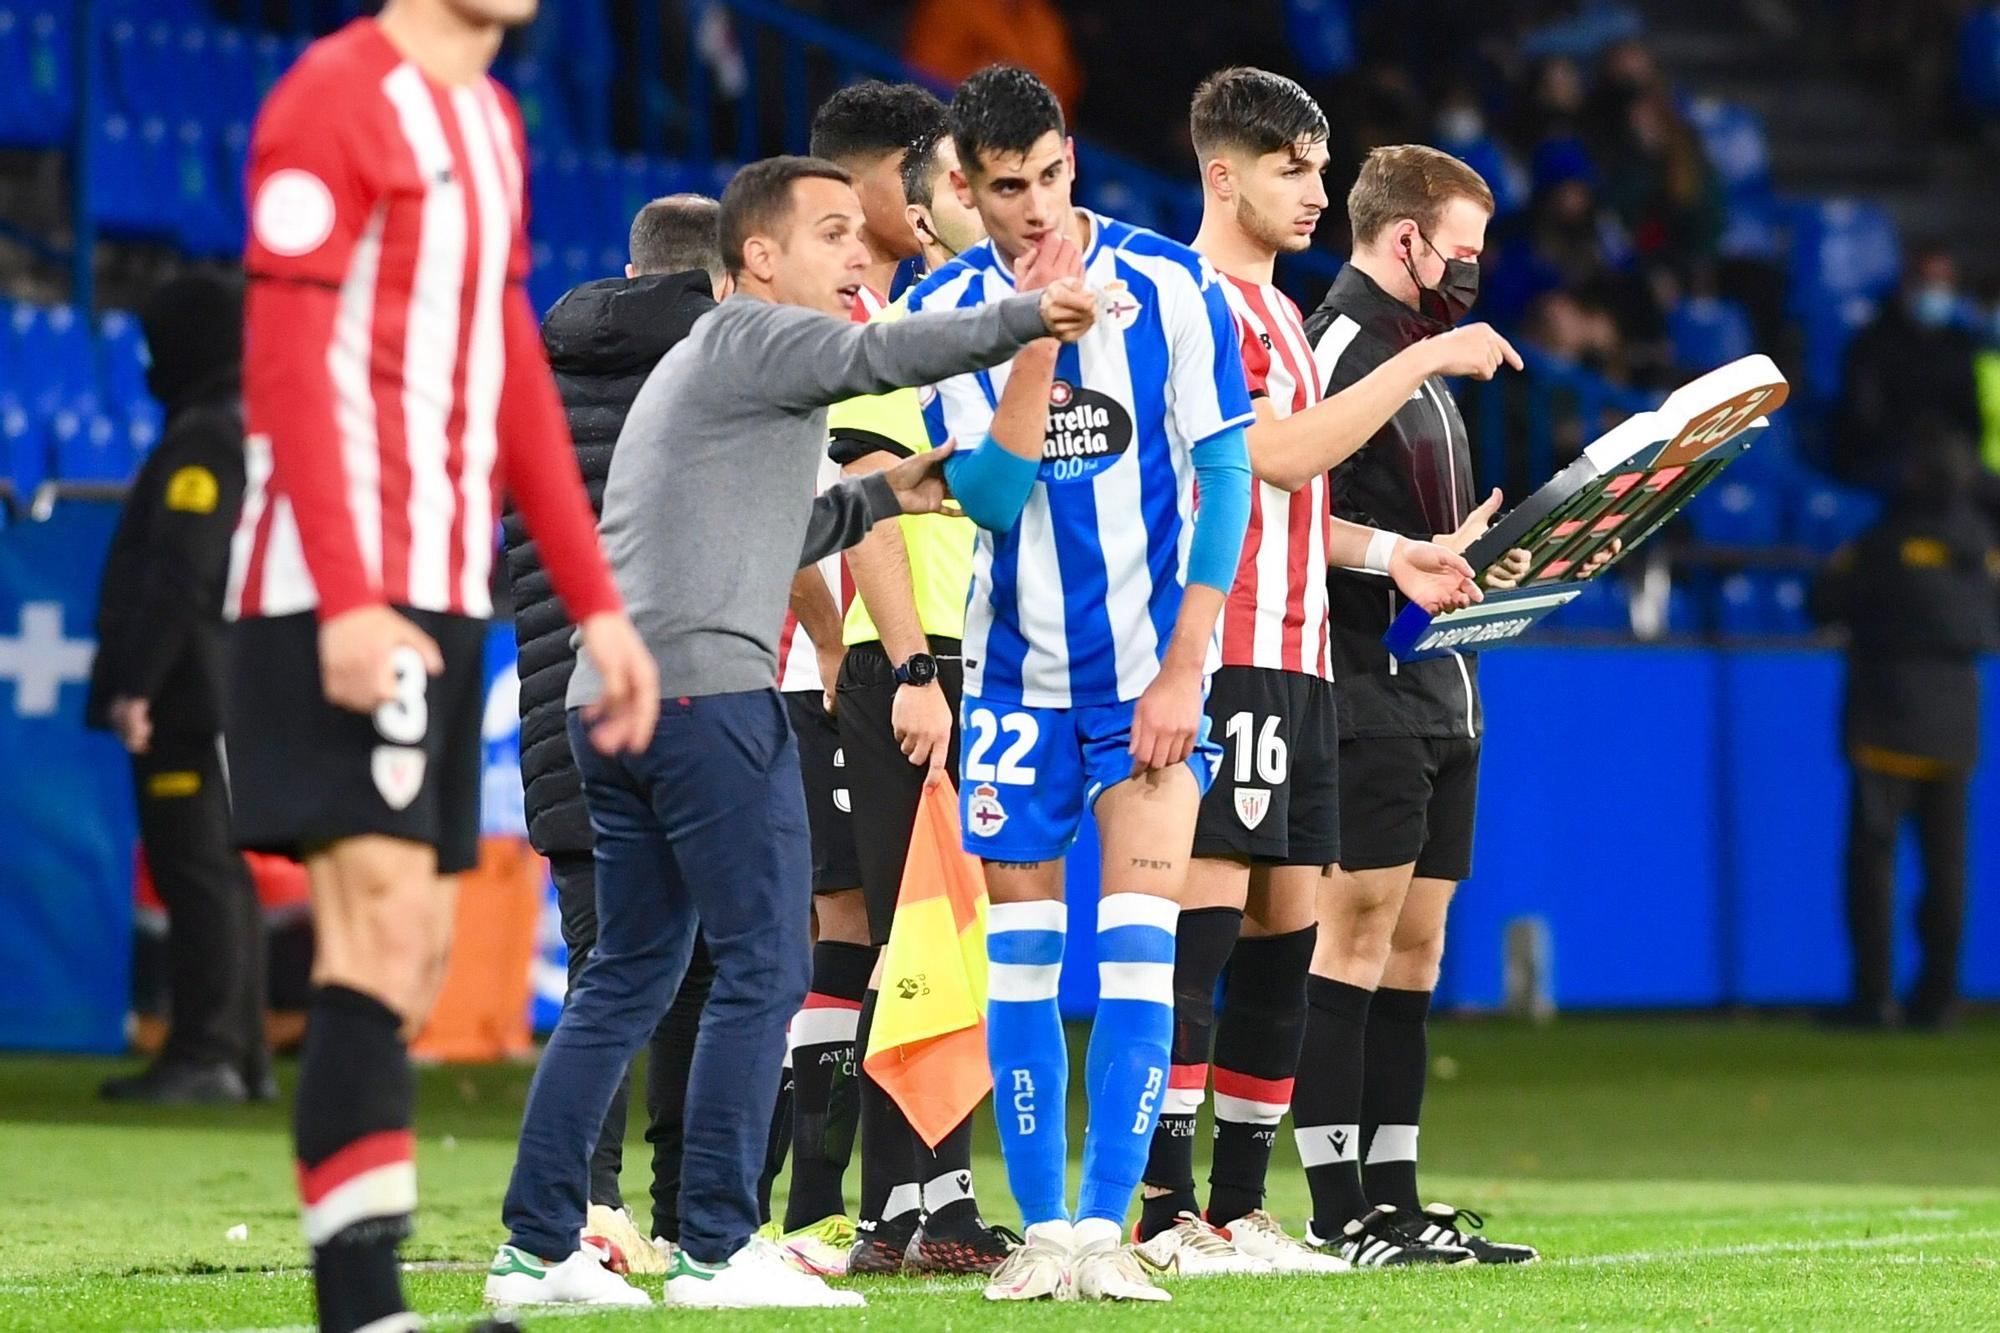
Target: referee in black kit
1409	733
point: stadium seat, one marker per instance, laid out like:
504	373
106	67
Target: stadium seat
1602	607
133	192
1842	248
89	447
1979	60
1829	325
1736	512
1826	517
121	358
204	220
1733	138
1707	332
144	420
1786	604
56	358
1741	606
37	73
25	444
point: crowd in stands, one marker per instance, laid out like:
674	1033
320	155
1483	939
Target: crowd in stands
1639	239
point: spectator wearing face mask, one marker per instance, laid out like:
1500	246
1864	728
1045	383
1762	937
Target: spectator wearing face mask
1915	360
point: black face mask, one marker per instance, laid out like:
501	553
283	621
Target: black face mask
1449	301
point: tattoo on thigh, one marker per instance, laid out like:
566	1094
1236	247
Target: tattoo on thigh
1017	865
1149	863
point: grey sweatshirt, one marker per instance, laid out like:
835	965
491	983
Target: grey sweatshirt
709	518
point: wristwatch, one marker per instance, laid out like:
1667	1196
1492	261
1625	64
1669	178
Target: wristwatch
917	669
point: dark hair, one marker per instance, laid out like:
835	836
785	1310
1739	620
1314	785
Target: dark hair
759	199
1410	181
1252	110
920	168
675	234
1003	107
866	120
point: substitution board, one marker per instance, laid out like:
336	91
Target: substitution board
1626	484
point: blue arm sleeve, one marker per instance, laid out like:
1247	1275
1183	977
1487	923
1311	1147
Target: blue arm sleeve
1222	466
992	485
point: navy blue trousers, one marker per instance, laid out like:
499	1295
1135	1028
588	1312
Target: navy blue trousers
706	827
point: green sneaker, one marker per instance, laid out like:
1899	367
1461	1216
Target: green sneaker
821	1248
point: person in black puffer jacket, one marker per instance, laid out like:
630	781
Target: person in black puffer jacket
603	339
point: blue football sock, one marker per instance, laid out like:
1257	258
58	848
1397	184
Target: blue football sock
1127	1064
1030	1058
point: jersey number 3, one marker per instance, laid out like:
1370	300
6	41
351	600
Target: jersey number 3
986	728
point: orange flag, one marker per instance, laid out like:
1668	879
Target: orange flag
928	1046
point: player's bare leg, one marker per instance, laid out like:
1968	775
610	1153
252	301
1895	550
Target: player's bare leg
382	923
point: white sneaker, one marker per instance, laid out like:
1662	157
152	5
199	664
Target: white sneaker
1193	1248
519	1278
1259	1236
758	1276
667	1250
1039	1269
614	1226
1112	1272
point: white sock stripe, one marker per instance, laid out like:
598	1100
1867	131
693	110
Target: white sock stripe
1182	1101
1037	915
1393	1143
1152	982
903	1199
947	1189
1023	983
385	1191
1324	1145
823	1027
1243	1111
1137	909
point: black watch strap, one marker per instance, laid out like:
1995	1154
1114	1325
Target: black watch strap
917	669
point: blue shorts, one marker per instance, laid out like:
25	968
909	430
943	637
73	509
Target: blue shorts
1026	775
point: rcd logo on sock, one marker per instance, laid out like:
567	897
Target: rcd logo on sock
1024	1102
1149	1100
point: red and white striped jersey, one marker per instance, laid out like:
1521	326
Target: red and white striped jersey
393	375
1276	615
798	660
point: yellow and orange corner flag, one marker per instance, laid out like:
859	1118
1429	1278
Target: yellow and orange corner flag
928	1046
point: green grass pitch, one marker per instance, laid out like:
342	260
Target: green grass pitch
1675	1173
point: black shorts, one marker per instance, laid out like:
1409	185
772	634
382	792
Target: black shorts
1276	799
829	804
887	786
304	772
1407	800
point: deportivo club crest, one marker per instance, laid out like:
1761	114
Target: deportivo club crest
1252	804
983	813
1120	306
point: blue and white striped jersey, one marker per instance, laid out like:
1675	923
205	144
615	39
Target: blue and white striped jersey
1075	605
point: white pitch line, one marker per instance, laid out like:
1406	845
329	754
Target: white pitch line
1751	1248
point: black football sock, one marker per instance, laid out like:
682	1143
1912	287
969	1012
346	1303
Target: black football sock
357	1178
1203	939
949	1206
1256	1056
891	1192
1392	1099
1326	1102
822	1044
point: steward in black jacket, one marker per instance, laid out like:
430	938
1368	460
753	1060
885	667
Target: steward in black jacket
157	683
603	339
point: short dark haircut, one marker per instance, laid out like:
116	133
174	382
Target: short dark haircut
865	120
1252	111
1410	181
676	234
920	168
759	199
1002	107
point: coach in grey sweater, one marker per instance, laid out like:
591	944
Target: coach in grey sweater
705	527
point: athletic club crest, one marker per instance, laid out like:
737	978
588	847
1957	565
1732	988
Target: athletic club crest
398	771
983	812
1252	804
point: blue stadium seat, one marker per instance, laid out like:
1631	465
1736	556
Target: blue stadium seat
1979	60
1602	606
1736	511
1825	516
24	443
90	447
1733	137
121	358
133	192
1708	331
232	167
204	219
1688	606
55	357
231	75
37	72
1829	325
144	420
1786	604
1742	606
1842	248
